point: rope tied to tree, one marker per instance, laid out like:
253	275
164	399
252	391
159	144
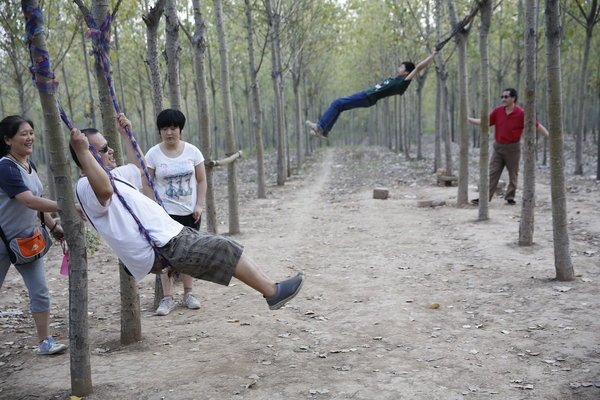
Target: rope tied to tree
460	26
35	26
43	77
100	37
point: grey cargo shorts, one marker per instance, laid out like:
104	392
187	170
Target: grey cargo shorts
202	255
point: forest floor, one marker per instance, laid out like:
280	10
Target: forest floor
399	302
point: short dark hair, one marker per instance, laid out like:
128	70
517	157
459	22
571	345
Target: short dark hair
9	127
170	117
86	132
408	66
512	93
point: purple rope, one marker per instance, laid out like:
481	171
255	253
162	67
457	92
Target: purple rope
100	45
35	26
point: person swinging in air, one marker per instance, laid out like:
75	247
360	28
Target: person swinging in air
199	254
392	86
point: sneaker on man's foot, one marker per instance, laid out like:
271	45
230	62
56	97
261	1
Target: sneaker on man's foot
165	306
316	130
511	202
190	301
286	291
475	202
49	346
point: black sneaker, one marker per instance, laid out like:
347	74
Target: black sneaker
286	291
475	202
511	202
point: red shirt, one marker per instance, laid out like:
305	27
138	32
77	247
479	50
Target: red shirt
509	127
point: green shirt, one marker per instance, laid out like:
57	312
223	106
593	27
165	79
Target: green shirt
387	88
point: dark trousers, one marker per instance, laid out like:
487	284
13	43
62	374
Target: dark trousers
505	155
356	100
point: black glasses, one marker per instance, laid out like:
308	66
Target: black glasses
504	96
104	149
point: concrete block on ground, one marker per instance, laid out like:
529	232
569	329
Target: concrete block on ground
381	193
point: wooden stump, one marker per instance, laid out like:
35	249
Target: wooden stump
381	193
447	180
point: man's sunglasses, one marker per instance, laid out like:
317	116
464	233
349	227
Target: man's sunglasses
504	97
104	149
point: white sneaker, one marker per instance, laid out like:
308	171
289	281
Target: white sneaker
315	130
165	306
190	301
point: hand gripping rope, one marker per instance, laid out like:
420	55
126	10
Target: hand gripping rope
460	26
41	68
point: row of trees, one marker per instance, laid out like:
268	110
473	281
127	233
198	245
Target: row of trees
247	73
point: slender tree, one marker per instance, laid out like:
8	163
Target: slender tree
562	253
81	376
587	19
484	103
152	21
526	225
172	52
463	174
256	106
234	223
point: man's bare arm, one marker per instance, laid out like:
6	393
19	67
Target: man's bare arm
420	66
90	167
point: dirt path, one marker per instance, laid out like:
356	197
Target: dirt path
363	326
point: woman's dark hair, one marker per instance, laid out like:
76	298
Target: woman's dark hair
86	132
512	93
408	66
170	117
9	127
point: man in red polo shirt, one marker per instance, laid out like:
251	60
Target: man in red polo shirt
509	120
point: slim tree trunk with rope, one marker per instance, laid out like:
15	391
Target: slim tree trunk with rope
131	326
526	225
463	174
562	252
234	220
92	110
81	376
172	51
199	43
256	106
484	104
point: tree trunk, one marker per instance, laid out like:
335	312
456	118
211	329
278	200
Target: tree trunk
256	106
199	43
120	73
526	225
234	223
484	102
277	80
81	376
172	51
152	20
418	115
562	252
463	174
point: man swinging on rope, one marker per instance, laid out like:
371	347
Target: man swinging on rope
367	98
199	254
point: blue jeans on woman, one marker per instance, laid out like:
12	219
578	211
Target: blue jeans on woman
356	100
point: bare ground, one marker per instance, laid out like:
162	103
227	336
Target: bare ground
365	325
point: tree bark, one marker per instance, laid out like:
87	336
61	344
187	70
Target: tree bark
484	101
199	43
152	20
234	223
526	225
562	253
277	80
256	106
81	376
463	174
172	51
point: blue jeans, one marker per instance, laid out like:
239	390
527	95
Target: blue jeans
356	100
